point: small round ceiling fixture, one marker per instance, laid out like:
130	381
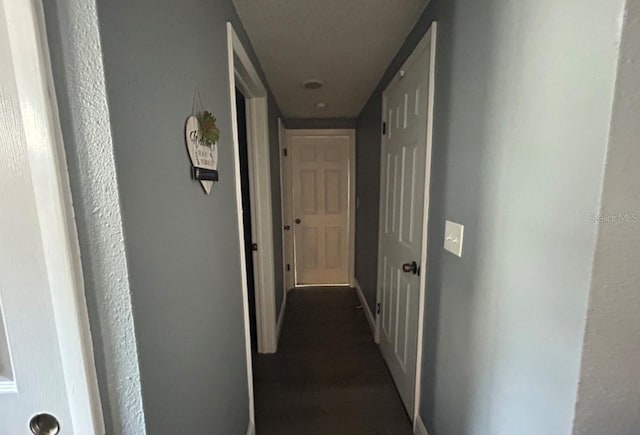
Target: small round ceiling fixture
312	84
320	105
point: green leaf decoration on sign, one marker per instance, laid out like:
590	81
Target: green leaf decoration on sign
210	131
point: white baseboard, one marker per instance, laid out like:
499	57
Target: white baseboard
251	430
365	307
419	428
281	318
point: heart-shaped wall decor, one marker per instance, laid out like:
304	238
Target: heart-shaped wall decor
202	154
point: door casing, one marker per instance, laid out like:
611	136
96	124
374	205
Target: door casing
244	76
429	38
287	235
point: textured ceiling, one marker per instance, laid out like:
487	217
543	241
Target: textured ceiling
347	44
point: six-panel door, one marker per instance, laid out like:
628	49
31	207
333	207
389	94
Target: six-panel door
402	210
321	186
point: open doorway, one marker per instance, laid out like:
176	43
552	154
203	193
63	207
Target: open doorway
243	152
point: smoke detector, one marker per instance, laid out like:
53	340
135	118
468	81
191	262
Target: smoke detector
312	84
321	105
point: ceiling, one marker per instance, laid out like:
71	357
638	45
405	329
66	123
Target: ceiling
347	44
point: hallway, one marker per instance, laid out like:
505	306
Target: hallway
328	375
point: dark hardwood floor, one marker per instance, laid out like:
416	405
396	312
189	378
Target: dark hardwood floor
328	376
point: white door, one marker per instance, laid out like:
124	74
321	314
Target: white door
404	167
47	377
321	209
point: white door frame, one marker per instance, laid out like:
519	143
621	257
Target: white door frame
285	194
50	178
351	133
287	238
244	76
429	38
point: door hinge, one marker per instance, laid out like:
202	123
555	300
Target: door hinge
288	267
284	152
378	308
384	128
254	246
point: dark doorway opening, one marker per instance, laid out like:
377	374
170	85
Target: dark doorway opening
241	109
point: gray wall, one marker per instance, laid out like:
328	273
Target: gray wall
611	355
319	123
182	245
368	131
76	57
523	102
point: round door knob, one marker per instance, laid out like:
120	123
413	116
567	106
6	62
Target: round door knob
411	267
44	424
298	221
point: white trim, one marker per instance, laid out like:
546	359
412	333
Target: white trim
243	272
380	214
285	203
282	205
50	178
283	310
365	307
352	208
419	427
104	250
251	429
431	35
243	74
351	133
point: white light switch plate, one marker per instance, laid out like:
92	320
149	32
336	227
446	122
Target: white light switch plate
453	233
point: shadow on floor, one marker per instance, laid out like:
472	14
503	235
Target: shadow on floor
328	376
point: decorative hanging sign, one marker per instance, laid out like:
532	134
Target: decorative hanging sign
201	137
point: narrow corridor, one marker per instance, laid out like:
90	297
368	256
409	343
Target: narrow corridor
328	376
